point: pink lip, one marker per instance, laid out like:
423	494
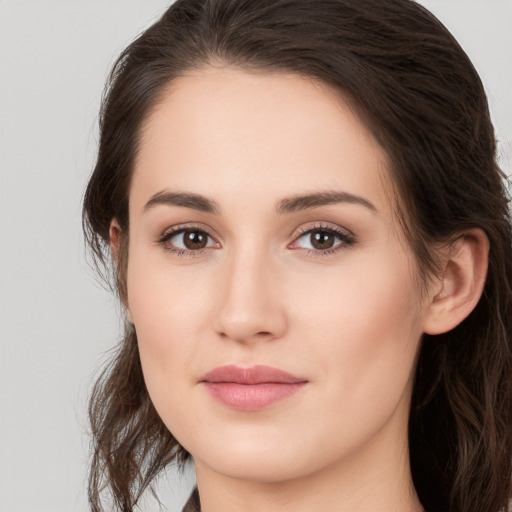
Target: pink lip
250	389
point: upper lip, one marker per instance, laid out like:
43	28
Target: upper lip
259	374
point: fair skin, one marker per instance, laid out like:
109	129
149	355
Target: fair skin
346	316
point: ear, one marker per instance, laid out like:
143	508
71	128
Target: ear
462	282
114	235
115	232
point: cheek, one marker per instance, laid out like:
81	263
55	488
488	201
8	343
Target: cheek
169	310
369	296
363	326
167	301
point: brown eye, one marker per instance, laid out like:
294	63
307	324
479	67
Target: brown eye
322	240
187	240
194	239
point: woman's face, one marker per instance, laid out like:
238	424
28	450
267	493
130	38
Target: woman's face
262	234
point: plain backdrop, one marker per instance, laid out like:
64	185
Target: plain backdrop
56	322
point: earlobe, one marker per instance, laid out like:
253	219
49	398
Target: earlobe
128	315
462	283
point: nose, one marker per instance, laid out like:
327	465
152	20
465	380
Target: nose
249	307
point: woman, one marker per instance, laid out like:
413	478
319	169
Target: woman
312	242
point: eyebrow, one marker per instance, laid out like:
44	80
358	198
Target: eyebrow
287	205
315	200
185	199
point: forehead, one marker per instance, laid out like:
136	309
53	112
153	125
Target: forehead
229	133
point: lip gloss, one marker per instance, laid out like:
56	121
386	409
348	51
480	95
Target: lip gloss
251	389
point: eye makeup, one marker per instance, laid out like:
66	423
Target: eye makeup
189	240
319	239
324	239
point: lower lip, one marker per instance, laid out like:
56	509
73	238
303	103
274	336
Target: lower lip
251	397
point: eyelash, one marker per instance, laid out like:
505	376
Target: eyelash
346	240
176	230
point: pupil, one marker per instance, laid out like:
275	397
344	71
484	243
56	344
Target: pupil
322	239
194	240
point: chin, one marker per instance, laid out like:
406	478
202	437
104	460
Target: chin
262	458
256	467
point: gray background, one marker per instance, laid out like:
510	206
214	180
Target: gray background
56	322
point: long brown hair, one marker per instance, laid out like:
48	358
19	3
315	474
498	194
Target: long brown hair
421	97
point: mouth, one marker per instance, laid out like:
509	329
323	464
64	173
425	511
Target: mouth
251	389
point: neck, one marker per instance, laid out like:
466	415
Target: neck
375	476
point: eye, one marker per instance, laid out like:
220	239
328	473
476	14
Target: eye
322	240
187	240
